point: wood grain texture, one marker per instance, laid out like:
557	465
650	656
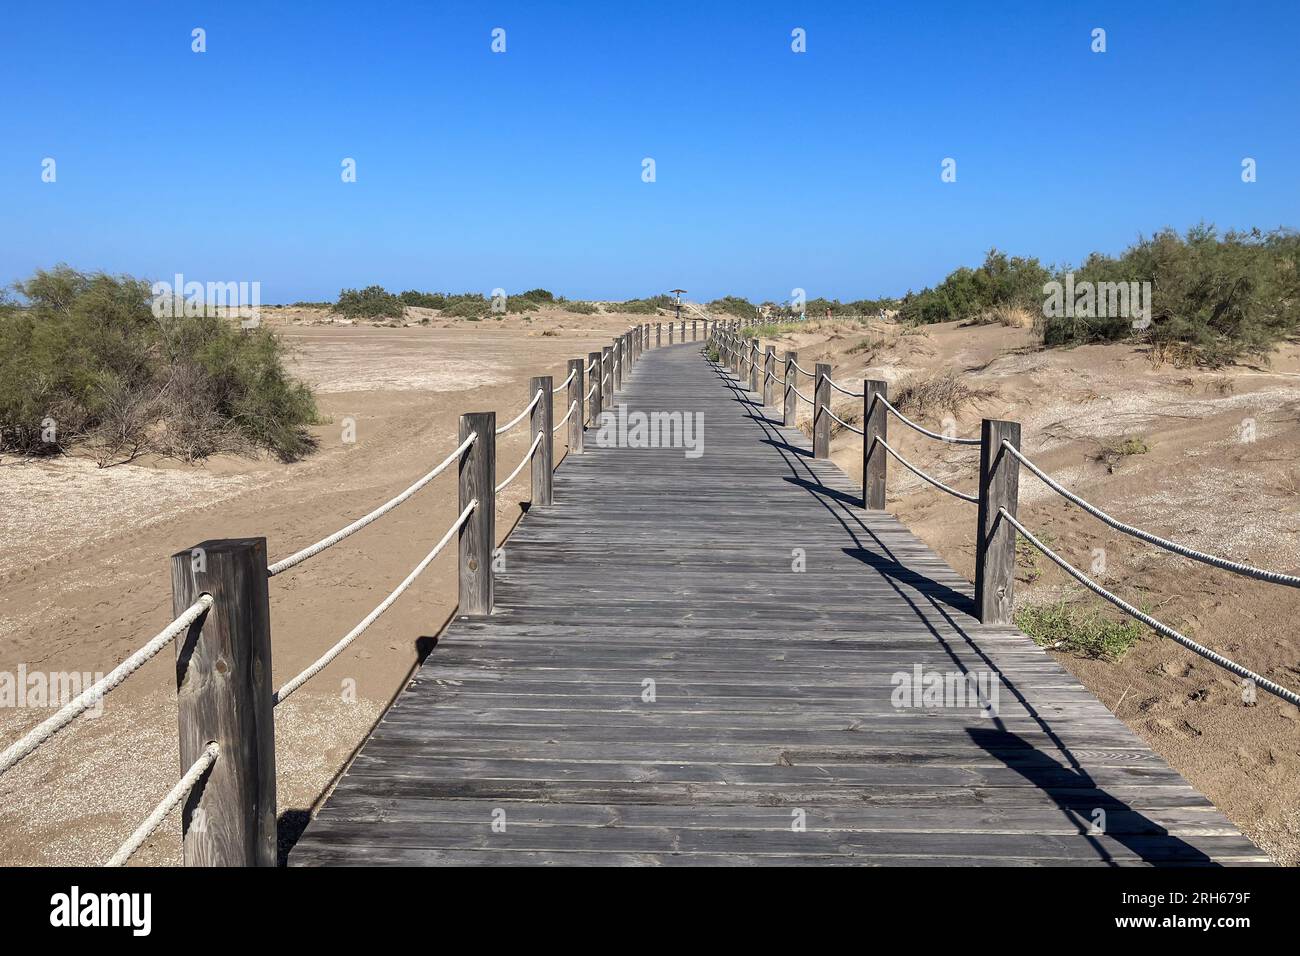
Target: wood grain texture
789	407
995	542
875	460
593	403
773	616
223	694
769	376
821	401
476	480
541	468
575	399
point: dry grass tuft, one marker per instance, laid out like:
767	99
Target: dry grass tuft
940	391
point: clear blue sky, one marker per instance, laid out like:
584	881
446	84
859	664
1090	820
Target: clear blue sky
775	170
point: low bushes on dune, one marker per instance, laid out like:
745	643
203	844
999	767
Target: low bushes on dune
87	362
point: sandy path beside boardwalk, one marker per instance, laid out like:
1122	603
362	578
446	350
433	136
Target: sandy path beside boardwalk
84	574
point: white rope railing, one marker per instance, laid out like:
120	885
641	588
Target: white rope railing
843	391
604	380
323	661
98	690
852	428
1273	577
973	499
168	804
800	367
924	431
565	384
567	416
520	417
528	455
1159	627
354	527
802	395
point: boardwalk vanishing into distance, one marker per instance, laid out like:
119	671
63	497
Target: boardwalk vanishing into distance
714	660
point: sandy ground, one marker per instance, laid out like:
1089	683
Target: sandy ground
1200	482
84	574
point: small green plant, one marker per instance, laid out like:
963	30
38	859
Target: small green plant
770	330
1084	631
580	308
1027	556
1110	451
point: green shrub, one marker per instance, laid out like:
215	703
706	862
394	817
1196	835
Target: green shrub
734	305
642	306
519	303
966	293
89	356
580	308
470	305
1083	631
816	308
372	302
423	300
1213	299
770	330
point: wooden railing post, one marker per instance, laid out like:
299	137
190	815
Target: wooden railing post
769	376
995	539
477	537
740	354
607	384
659	334
539	422
791	408
617	382
597	370
224	695
753	367
683	330
875	424
670	333
693	321
821	401
574	406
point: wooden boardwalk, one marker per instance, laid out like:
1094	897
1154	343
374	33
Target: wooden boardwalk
771	733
